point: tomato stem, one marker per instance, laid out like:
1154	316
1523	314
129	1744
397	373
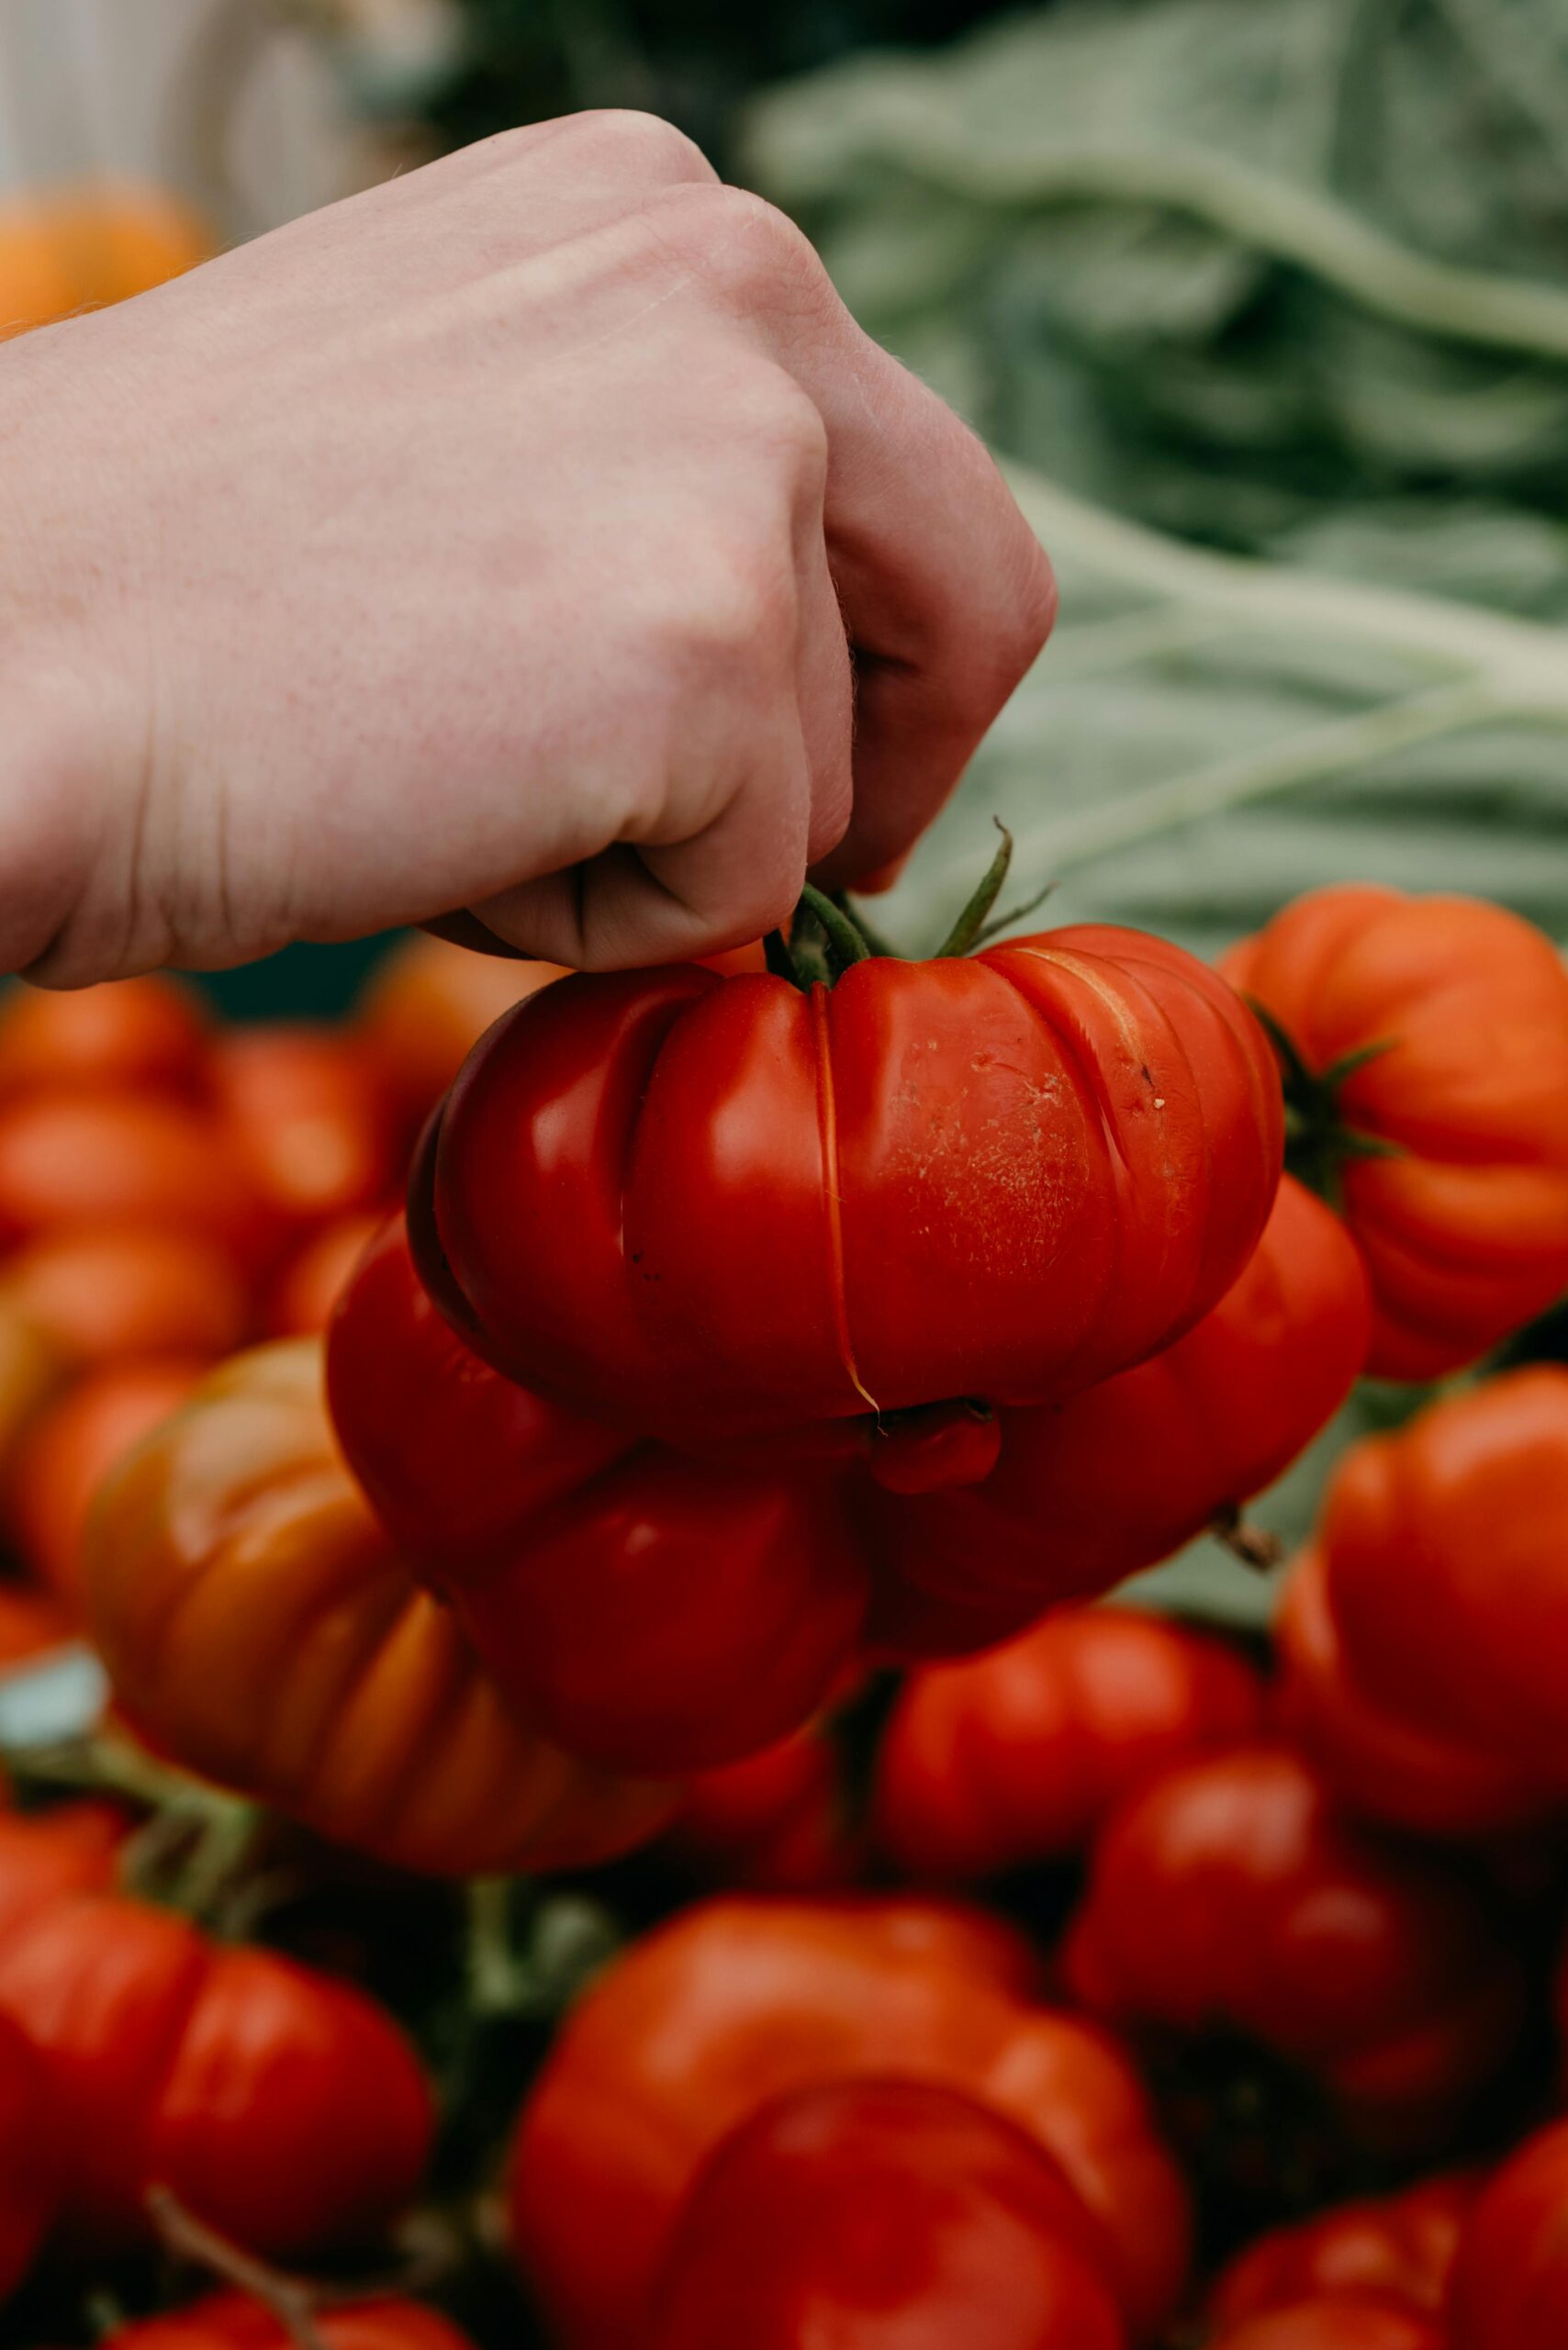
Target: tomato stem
1255	1546
1318	1142
966	931
845	941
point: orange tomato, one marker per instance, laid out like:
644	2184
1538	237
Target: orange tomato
259	1628
82	247
105	1158
144	1034
67	1454
311	1283
31	1623
101	1293
428	1004
307	1117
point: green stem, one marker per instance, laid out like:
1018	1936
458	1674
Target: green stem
844	938
874	938
967	930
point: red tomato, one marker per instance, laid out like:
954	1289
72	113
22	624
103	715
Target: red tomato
312	1282
29	2157
67	1454
883	2216
906	1624
1398	2248
281	2106
1227	1893
737	2002
654	1613
776	1822
121	1159
1114	1480
1510	2281
1445	1572
1333	2324
230	2321
426	1006
30	1624
1436	1029
307	1120
262	1631
1378	1762
103	1292
703	1204
1019	1756
147	1034
52	1857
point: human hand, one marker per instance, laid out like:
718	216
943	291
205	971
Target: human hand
494	539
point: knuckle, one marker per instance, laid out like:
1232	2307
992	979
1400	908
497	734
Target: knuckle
641	145
734	626
746	246
772	413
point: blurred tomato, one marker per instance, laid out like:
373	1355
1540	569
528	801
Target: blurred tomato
70	1449
31	1623
311	1283
1398	2248
281	2106
262	1631
1378	1761
53	1856
1018	1755
884	2216
29	2157
146	1035
1510	2281
1227	1894
426	1006
1334	2323
307	1120
777	1822
118	1159
100	1293
230	2321
736	2002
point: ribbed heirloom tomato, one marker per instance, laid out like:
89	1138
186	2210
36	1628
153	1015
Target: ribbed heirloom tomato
737	2002
1092	1490
650	1611
70	1449
1226	1894
1018	1755
1426	1040
1445	1573
260	1626
283	2106
702	1202
1510	2281
1378	1761
883	2215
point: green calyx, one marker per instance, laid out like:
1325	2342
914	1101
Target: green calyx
830	933
1319	1144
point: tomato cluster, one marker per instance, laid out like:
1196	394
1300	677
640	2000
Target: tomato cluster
699	1418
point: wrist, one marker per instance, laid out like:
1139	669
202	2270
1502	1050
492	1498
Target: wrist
59	589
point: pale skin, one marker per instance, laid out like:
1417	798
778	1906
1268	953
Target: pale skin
536	535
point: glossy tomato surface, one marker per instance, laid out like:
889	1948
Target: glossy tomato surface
883	2216
1510	2283
1114	1480
651	1611
702	1202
